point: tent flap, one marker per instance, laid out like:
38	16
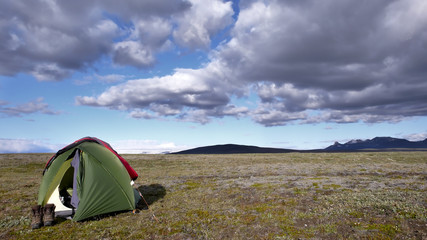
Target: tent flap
75	164
106	186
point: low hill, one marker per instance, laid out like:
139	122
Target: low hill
233	149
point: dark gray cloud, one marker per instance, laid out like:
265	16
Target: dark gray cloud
354	61
52	39
135	9
308	61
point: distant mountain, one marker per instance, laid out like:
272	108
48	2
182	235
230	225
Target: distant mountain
233	149
378	143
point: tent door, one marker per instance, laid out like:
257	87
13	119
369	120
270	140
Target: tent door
65	195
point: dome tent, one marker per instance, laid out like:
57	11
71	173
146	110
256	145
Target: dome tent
88	178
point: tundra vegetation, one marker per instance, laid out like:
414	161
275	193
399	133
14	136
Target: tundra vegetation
373	195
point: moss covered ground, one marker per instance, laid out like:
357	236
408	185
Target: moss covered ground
375	195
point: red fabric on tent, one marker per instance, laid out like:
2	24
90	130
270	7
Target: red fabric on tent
132	173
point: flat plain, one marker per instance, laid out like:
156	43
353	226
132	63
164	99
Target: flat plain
371	195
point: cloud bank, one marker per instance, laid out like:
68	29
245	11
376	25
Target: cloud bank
145	146
26	146
121	146
305	61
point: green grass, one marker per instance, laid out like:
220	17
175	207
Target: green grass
245	196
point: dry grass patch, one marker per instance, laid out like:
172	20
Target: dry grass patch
244	196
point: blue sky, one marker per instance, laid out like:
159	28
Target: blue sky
154	76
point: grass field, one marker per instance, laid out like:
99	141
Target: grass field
245	196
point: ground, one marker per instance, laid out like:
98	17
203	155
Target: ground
374	195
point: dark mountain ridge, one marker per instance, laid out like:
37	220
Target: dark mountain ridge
379	143
375	144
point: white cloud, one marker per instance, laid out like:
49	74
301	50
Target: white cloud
49	72
145	146
416	136
133	53
26	146
111	78
121	146
141	114
36	106
153	32
268	115
146	38
176	94
205	18
405	18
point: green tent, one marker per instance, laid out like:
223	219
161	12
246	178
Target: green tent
88	178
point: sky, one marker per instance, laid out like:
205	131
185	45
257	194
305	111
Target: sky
152	76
